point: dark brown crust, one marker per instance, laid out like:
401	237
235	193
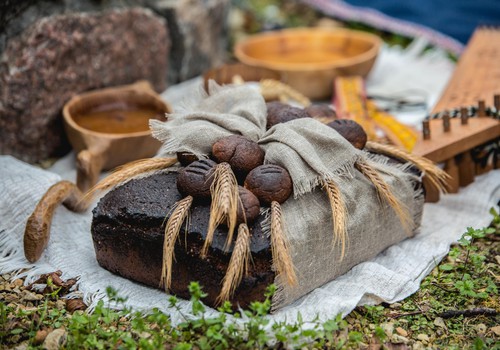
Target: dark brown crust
186	158
351	131
241	153
278	112
320	111
195	179
250	204
128	230
269	183
37	231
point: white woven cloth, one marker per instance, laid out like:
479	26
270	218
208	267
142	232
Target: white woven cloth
391	276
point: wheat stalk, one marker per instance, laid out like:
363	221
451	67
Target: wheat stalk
172	229
339	214
224	207
385	193
271	89
438	177
129	171
238	265
280	247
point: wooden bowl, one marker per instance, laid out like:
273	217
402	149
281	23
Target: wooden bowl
308	59
110	127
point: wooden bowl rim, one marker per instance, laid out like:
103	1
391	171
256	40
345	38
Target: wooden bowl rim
105	92
297	67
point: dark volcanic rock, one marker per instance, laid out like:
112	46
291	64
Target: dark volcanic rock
60	56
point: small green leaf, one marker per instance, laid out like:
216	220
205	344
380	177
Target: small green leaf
16	331
446	267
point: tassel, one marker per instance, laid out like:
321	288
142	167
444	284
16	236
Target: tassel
172	229
437	177
280	248
339	214
386	194
238	265
224	190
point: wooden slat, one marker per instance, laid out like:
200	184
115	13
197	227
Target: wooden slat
477	75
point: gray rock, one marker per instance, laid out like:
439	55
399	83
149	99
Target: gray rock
60	56
199	32
36	80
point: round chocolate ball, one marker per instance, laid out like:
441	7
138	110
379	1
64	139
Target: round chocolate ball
269	183
351	131
248	204
241	153
196	178
320	111
186	158
278	112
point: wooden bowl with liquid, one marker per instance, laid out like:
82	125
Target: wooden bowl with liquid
110	127
308	59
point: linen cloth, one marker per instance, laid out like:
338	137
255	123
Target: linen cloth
313	153
391	276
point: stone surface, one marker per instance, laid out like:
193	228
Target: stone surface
198	32
60	56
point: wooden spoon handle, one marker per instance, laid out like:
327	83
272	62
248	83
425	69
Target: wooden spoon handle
37	232
89	164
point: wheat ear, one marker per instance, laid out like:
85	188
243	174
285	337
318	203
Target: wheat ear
238	265
172	229
438	177
129	171
271	89
280	246
224	207
339	214
386	194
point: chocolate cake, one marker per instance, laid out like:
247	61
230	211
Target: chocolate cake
128	230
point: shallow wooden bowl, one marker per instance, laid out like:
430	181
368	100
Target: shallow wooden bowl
308	59
96	150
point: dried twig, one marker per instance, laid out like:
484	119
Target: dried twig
469	313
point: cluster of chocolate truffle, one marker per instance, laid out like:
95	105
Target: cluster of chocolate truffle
259	184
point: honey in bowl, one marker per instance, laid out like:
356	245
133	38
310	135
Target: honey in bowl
117	118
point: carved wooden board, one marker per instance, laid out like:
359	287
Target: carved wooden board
477	75
476	78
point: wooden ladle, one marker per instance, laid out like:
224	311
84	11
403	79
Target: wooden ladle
37	231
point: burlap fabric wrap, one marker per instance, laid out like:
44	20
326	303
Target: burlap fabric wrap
311	152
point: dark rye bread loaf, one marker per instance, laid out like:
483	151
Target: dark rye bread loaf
128	229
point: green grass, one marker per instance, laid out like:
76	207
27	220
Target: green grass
468	278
